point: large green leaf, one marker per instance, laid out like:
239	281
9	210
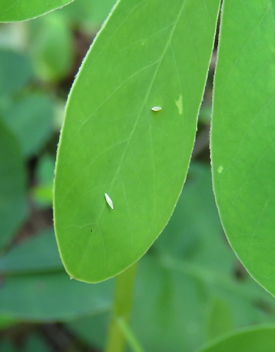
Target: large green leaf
242	139
13	206
254	340
20	10
149	53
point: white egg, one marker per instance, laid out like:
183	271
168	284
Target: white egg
156	108
109	200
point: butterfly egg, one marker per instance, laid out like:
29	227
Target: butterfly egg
109	200
156	108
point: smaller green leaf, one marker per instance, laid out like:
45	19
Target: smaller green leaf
7	346
101	10
31	119
92	329
38	254
43	191
194	231
260	339
15	71
13	205
51	47
43	195
88	14
20	10
205	114
45	170
6	322
220	319
52	297
36	343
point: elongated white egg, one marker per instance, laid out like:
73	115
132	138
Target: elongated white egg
109	201
156	108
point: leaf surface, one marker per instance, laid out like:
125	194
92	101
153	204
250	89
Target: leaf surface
31	120
38	254
242	140
15	72
52	297
20	10
112	142
254	340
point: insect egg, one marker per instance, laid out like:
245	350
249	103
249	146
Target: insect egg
156	108
109	200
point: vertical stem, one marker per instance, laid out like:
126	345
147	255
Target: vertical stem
122	304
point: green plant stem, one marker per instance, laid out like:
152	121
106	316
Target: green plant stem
122	303
130	337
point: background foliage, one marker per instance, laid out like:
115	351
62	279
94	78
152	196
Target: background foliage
190	286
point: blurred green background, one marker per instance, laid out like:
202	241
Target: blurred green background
190	286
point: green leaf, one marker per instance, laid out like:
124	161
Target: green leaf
88	14
112	142
13	207
253	340
173	309
36	343
101	9
92	329
220	319
51	47
45	170
52	297
31	119
20	10
178	294
43	195
205	114
194	232
15	71
42	192
38	254
7	346
6	322
242	140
